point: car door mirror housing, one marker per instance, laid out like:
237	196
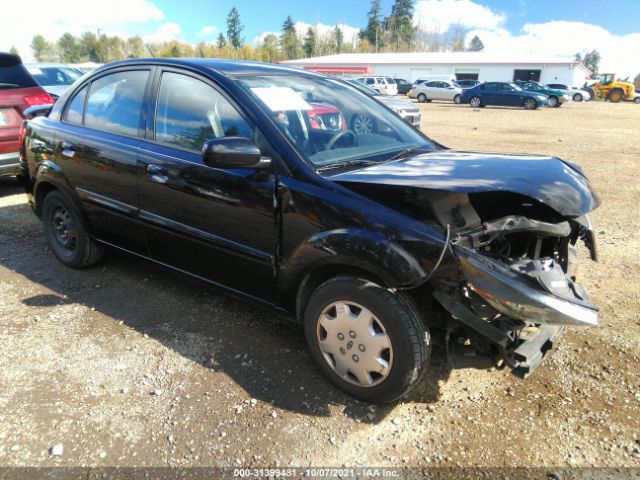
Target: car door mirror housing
233	152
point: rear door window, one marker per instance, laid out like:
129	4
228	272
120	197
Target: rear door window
115	102
75	108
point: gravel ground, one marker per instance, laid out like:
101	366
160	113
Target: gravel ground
129	364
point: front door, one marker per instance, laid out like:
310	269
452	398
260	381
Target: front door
216	223
97	150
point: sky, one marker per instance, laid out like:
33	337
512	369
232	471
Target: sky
547	27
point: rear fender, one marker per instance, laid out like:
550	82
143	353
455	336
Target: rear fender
47	177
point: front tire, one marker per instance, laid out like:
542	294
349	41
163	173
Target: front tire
66	234
554	102
577	97
456	99
422	98
368	341
636	100
615	96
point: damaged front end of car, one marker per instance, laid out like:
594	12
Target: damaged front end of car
506	287
517	286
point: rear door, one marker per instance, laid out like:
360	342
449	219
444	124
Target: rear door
217	223
98	145
490	94
18	91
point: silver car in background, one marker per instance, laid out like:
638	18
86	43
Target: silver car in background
436	90
407	110
55	78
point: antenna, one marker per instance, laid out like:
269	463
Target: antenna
149	48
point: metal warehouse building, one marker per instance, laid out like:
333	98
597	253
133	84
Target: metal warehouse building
462	65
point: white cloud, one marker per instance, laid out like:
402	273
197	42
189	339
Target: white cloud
117	17
442	14
620	53
208	30
164	33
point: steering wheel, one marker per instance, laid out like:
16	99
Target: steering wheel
332	141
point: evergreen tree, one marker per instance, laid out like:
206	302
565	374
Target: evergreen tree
338	39
135	47
399	24
221	42
310	43
289	41
234	29
373	32
475	45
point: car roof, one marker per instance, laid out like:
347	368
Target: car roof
46	65
214	65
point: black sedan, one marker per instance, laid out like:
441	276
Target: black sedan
502	94
403	85
369	239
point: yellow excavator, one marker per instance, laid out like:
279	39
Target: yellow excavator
607	87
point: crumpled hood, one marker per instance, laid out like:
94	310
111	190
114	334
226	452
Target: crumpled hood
558	184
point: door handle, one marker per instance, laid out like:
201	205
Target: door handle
67	149
157	174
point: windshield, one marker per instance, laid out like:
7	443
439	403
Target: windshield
49	76
515	87
369	133
363	88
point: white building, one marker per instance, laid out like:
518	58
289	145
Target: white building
462	65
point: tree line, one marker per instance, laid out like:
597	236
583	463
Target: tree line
395	32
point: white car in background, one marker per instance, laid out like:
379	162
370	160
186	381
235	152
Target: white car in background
407	110
384	85
55	78
576	94
436	90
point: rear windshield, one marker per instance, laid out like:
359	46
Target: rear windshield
14	75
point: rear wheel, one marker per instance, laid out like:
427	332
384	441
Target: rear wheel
456	99
368	341
422	97
68	238
363	123
530	104
615	96
553	101
475	102
577	97
636	100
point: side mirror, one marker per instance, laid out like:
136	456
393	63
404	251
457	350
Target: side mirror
233	152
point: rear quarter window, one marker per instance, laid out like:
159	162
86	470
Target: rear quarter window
15	76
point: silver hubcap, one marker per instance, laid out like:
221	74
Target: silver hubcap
475	102
354	343
552	102
363	124
530	104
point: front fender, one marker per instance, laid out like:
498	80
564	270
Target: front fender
353	247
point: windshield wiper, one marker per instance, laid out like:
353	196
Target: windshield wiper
354	163
406	152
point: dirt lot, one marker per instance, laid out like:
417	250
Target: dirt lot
129	364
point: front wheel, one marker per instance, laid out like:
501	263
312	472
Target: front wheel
615	96
636	100
363	123
368	341
553	101
68	238
577	97
456	99
530	104
475	102
422	98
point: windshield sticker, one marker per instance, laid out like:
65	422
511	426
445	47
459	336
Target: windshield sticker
279	99
34	71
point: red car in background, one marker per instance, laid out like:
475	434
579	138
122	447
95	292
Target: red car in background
18	91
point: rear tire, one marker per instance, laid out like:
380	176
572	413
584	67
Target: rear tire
456	99
422	97
636	100
368	341
66	234
553	101
475	102
577	97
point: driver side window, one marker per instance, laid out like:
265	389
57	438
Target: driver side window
190	112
